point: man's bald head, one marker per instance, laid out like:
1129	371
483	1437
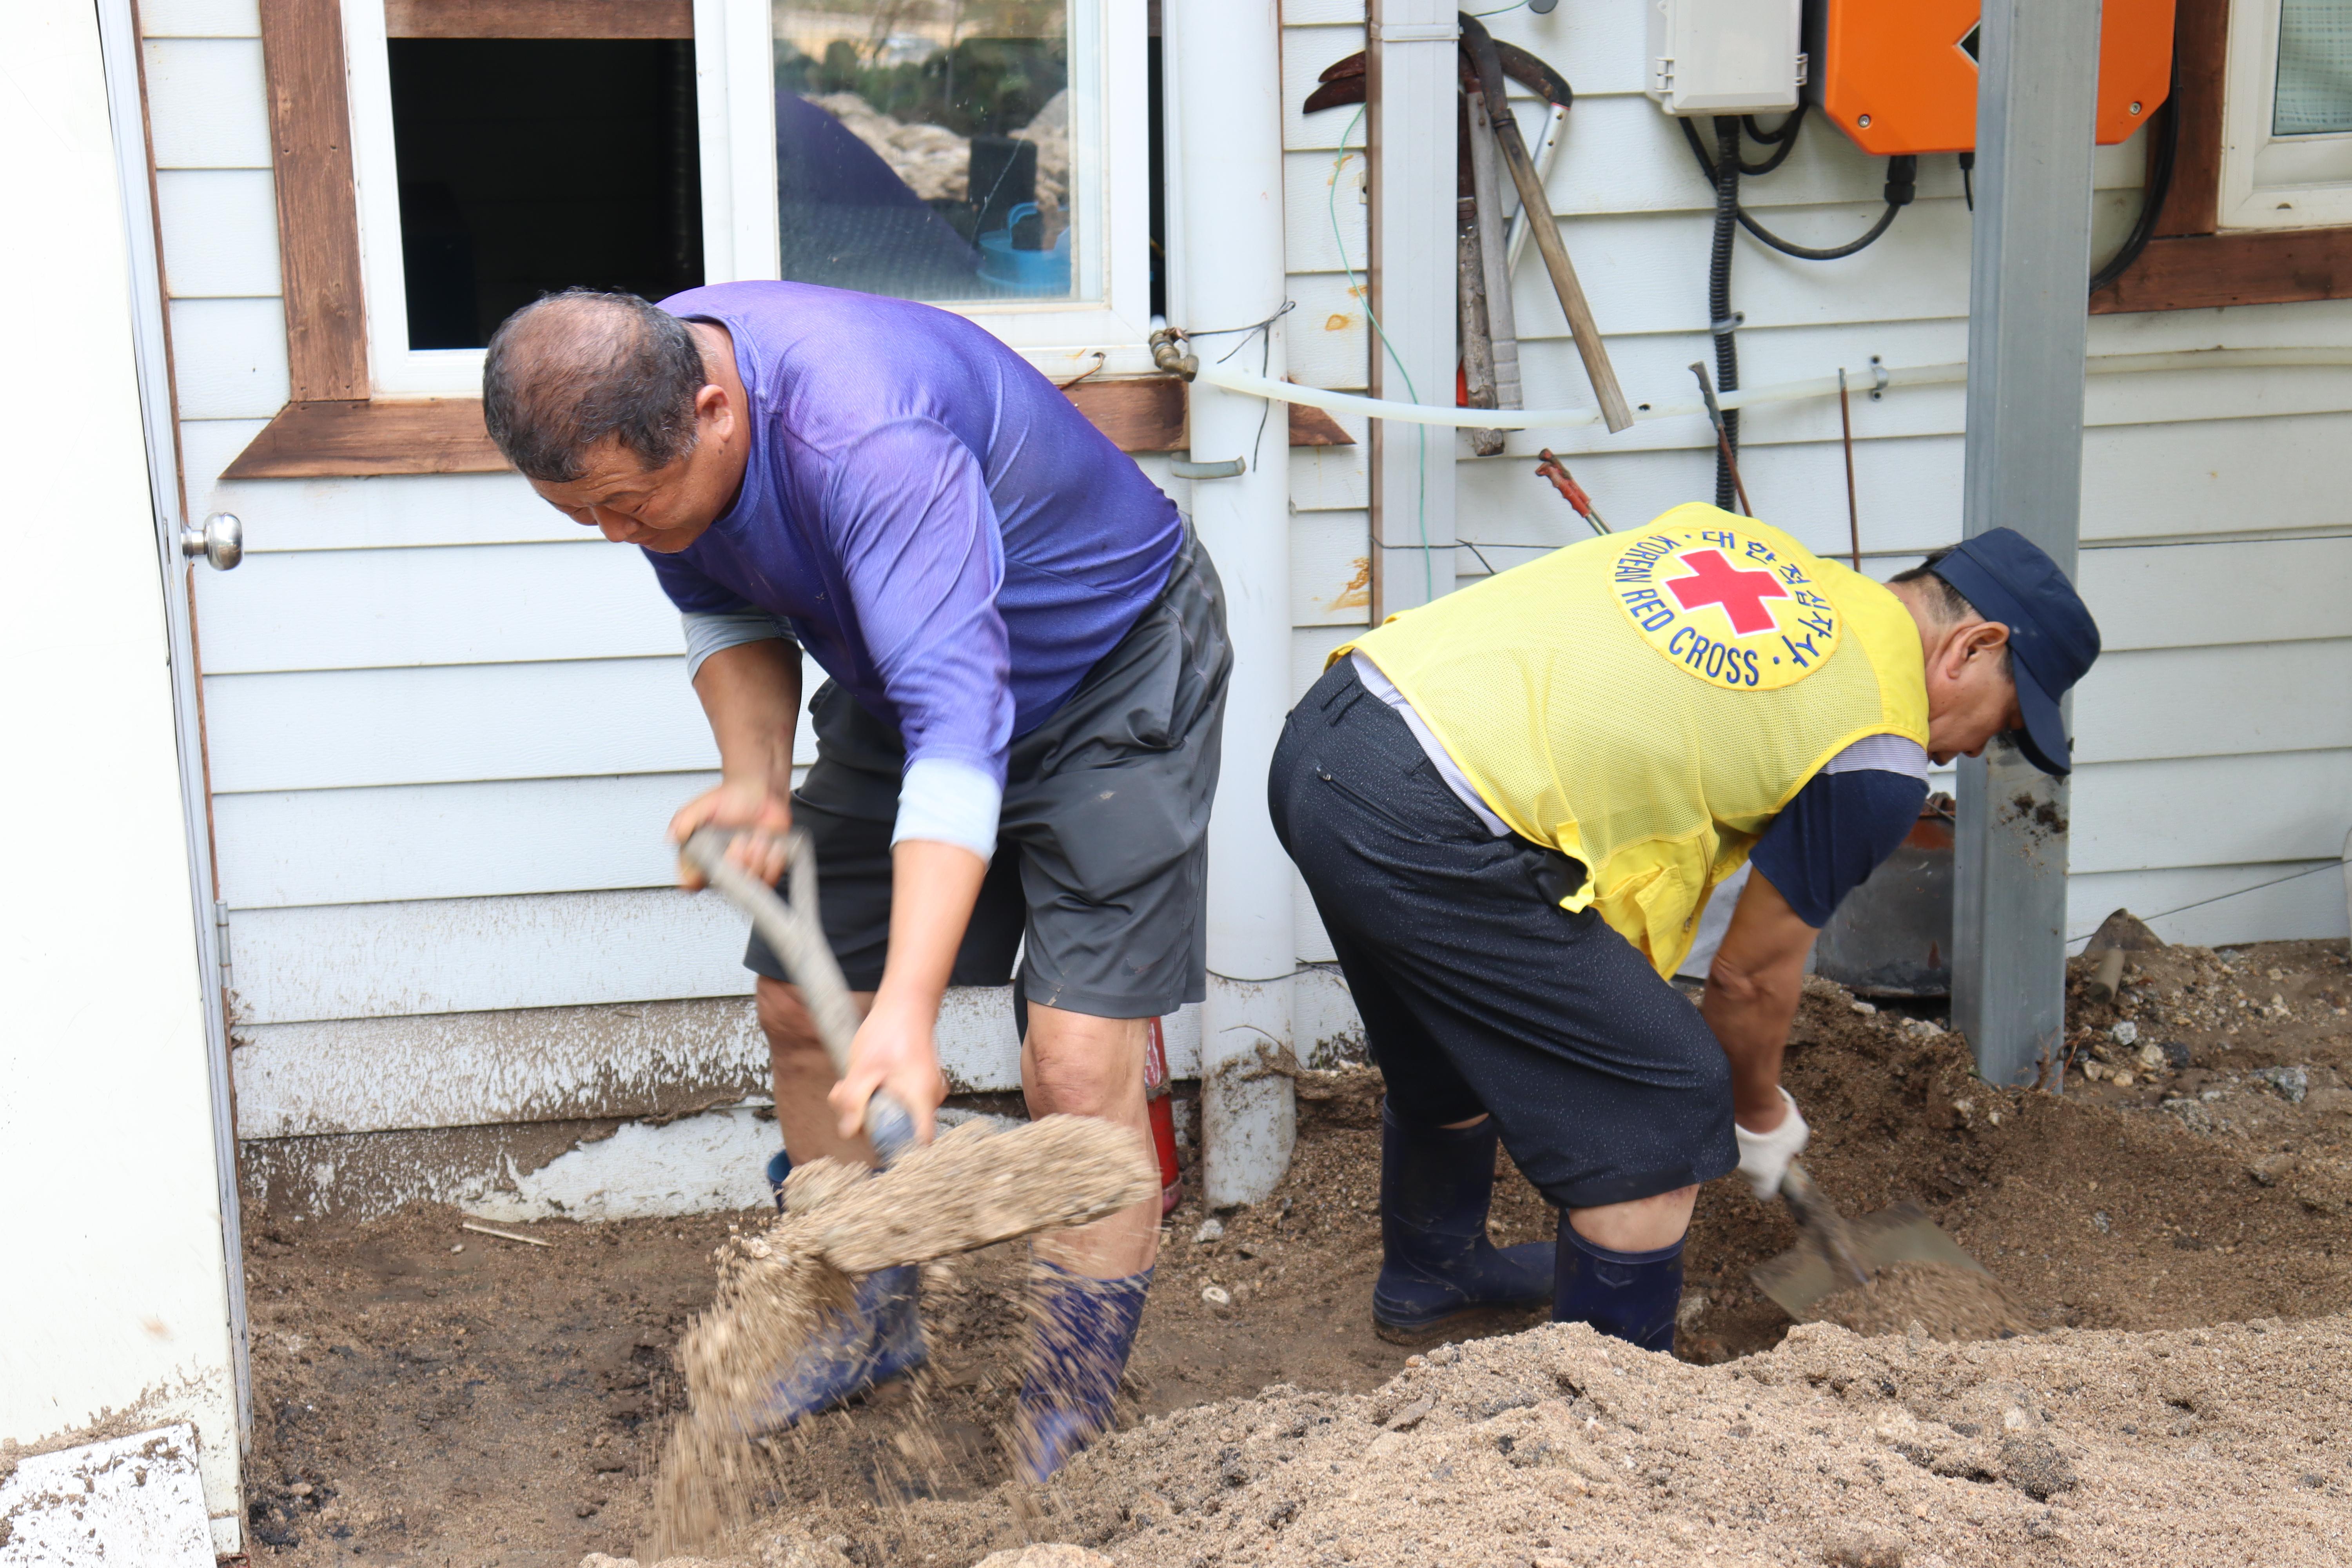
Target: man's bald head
578	368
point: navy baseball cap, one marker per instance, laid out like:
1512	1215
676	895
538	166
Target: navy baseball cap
2051	637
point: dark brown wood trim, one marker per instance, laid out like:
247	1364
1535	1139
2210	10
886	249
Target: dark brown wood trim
1145	413
353	437
317	203
2195	272
2200	40
539	18
1313	427
2190	266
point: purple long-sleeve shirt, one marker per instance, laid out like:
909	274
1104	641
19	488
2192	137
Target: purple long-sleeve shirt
933	521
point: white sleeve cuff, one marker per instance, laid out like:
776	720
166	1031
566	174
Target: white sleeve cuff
707	631
948	802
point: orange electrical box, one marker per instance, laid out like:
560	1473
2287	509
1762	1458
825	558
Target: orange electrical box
1900	75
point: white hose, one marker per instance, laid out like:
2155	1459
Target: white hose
1242	381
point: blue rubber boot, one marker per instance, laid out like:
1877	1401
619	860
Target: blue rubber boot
1438	1269
1630	1296
1082	1331
879	1338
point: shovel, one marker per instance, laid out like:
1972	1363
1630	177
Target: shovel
1836	1253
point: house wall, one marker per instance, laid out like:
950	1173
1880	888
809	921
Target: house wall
2214	738
116	1314
446	726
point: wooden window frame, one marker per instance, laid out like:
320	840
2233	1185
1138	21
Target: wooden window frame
2193	264
333	425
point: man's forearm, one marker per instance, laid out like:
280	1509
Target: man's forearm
1752	990
751	694
1750	1015
932	890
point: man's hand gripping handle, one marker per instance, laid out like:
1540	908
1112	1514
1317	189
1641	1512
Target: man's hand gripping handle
794	935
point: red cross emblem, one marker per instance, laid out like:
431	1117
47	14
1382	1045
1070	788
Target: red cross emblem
1715	581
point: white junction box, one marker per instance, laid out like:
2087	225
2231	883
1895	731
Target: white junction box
1726	57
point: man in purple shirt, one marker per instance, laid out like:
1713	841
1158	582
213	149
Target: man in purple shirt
1016	749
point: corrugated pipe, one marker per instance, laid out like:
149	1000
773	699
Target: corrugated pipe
1235	380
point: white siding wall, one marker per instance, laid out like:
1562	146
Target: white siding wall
2215	736
446	726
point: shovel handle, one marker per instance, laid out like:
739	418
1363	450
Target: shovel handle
1819	1218
796	937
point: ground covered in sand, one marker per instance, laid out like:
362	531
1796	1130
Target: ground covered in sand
506	1403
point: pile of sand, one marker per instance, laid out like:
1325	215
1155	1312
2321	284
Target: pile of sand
1557	1447
1946	1303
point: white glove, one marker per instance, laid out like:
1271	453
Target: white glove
1764	1156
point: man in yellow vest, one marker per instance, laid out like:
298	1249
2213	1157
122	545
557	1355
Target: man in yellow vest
1511	805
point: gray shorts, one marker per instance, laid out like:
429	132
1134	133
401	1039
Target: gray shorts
1101	864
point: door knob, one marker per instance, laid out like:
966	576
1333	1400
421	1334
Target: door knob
220	541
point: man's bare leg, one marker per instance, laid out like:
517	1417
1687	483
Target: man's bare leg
803	1075
1080	1064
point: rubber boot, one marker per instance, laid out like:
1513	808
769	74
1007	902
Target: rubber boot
1082	1329
1437	1267
879	1338
1630	1296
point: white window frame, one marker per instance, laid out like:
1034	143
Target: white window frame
2273	181
735	90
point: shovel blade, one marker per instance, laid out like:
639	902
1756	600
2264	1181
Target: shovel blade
1797	1280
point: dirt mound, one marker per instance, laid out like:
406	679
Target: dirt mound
431	1405
1559	1447
1940	1300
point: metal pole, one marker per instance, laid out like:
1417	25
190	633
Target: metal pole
1411	70
1225	98
2036	99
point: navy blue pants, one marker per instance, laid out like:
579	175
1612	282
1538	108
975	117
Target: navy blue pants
1477	991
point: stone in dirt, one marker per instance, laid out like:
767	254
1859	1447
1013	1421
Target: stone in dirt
1949	1302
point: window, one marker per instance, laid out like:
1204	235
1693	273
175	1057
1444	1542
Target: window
2286	153
527	166
923	148
959	152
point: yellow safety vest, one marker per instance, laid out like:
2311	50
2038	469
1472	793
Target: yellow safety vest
1648	702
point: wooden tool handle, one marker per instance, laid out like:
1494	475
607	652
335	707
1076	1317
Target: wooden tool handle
797	938
1614	411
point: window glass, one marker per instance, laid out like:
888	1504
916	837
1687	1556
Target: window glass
527	165
2314	67
924	148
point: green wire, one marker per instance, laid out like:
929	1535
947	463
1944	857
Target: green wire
1420	432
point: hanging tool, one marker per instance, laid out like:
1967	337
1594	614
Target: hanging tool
1555	470
1722	437
1853	509
1615	412
1835	1254
1474	302
1498	319
1490	62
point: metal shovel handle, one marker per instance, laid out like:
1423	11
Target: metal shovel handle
796	937
1819	1218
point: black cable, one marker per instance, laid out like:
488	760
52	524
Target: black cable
1968	178
1720	321
1901	176
2160	186
1782	140
1781	133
